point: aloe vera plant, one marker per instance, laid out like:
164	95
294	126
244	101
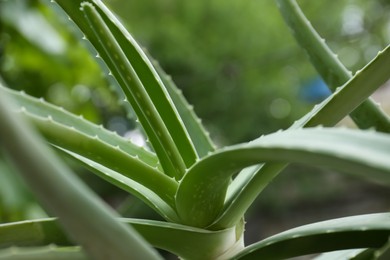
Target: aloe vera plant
202	192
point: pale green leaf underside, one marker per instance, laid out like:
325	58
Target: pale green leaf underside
349	254
364	231
175	238
200	196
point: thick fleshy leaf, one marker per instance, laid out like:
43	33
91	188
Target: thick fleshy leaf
364	231
352	94
244	189
42	109
178	239
43	253
368	114
82	138
136	93
249	184
87	219
349	254
163	207
201	193
138	79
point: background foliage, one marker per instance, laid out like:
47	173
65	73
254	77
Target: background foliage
201	45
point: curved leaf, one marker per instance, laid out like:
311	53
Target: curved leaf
352	94
86	218
42	109
250	183
162	235
148	114
244	189
150	198
153	84
201	193
43	253
184	241
32	233
364	231
93	148
139	81
82	138
368	114
349	254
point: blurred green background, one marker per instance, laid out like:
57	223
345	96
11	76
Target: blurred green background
235	61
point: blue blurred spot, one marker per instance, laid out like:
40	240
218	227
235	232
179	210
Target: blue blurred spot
314	91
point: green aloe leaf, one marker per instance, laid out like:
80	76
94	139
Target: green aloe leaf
368	114
87	219
201	194
164	235
364	231
135	90
139	81
109	156
164	208
84	139
353	93
42	109
248	184
43	253
159	234
32	233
